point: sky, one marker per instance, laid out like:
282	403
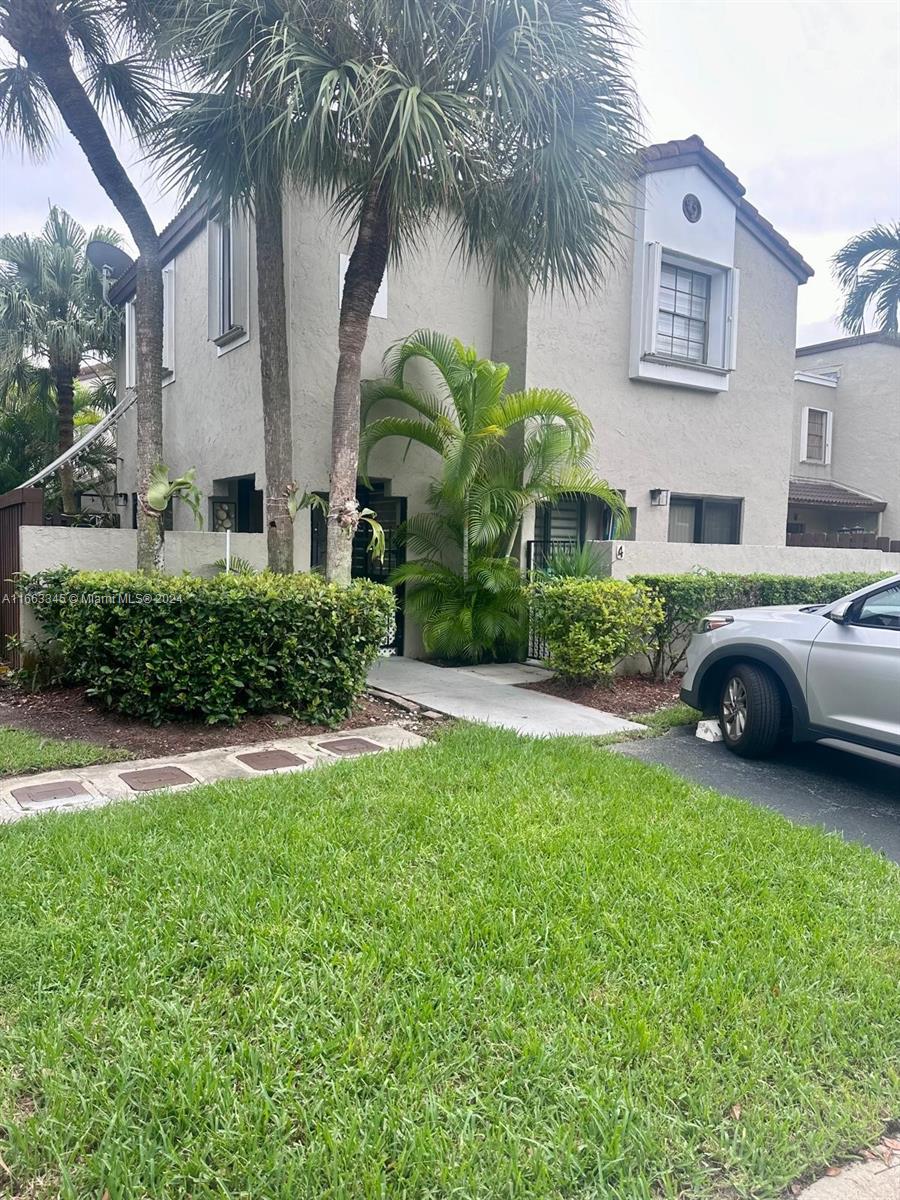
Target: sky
801	99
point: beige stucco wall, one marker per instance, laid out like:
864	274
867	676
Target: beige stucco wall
673	558
44	547
650	435
865	440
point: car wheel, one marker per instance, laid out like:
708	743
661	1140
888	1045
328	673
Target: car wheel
750	711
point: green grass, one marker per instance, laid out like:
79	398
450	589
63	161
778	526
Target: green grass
21	752
492	967
665	719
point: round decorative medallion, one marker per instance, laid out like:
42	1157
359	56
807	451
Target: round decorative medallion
692	208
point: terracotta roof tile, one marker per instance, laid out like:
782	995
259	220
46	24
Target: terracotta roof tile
824	491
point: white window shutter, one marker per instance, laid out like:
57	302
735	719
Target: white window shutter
168	357
732	293
240	268
829	416
130	346
653	253
213	271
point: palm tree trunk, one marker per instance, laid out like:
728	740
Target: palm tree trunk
35	31
65	415
275	378
365	272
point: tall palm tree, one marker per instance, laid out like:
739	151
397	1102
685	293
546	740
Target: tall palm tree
499	454
80	57
512	121
868	270
29	435
52	312
215	142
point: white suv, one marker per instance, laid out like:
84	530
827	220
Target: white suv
807	671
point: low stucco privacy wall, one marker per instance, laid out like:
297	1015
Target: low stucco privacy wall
44	547
676	558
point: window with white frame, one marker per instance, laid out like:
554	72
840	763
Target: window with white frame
229	280
689	315
682	318
815	436
168	351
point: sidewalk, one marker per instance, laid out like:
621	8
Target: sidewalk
488	694
92	787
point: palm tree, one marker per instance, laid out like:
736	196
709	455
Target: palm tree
215	143
868	270
80	57
52	311
500	453
513	122
29	435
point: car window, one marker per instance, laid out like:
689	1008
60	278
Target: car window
881	610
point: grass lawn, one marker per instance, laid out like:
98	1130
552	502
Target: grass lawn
21	752
490	968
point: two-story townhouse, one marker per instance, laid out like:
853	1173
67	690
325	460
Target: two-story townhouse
683	360
845	474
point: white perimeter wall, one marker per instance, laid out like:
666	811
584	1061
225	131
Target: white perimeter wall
675	558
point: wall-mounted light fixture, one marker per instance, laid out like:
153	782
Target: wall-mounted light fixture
659	497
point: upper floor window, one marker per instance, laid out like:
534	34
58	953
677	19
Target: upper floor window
685	319
229	280
707	519
815	436
682	319
168	353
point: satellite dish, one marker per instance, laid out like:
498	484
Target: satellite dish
109	260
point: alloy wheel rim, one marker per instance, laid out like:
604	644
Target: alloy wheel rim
734	709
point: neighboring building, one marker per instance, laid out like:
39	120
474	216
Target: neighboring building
845	475
683	360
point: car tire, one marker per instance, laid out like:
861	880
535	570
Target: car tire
750	711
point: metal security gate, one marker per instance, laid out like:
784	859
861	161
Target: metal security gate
391	512
24	506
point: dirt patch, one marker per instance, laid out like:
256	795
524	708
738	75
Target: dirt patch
627	696
70	713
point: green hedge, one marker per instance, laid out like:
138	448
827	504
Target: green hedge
687	598
162	647
591	624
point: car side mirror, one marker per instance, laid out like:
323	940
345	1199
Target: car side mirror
840	613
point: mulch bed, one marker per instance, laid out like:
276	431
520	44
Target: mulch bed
69	713
628	694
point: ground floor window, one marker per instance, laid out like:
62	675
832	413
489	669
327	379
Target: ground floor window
707	519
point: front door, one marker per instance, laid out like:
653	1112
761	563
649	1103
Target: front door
853	676
390	511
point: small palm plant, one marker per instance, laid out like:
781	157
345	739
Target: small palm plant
868	270
500	453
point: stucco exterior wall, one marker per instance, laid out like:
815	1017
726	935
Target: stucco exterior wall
45	547
675	558
865	440
651	435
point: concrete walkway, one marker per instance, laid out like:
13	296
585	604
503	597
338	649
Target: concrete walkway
487	694
92	787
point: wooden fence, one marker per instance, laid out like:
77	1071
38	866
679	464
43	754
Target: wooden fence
845	541
24	506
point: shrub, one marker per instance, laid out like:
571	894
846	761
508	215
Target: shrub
685	599
162	648
591	624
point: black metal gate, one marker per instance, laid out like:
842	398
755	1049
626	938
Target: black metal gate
390	511
23	506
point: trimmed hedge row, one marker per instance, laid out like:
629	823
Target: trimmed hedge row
589	625
180	647
685	599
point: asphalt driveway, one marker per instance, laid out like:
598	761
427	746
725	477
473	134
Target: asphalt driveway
809	783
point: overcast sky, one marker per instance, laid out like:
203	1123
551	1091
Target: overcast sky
801	100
